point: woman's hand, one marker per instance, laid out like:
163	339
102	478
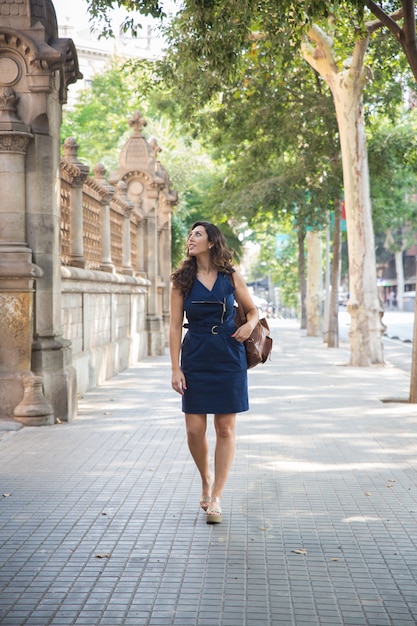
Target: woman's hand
178	381
243	332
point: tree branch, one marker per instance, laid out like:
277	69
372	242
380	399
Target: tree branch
390	21
409	24
320	56
358	56
406	35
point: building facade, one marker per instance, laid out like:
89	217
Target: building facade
84	258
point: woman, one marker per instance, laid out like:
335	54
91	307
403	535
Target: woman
212	374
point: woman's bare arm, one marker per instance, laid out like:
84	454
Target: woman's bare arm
175	338
244	299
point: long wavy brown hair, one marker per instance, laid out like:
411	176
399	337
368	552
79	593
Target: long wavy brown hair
221	258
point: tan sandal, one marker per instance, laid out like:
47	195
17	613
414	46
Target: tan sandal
204	502
214	511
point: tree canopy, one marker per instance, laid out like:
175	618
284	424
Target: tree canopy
233	76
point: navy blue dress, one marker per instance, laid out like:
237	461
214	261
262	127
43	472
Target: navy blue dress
213	362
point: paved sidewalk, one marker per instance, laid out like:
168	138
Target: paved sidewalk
100	523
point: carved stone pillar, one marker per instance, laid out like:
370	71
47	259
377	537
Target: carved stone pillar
166	200
106	261
139	169
17	272
121	192
140	269
152	261
154	320
165	268
80	172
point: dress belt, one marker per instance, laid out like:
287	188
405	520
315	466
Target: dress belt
215	329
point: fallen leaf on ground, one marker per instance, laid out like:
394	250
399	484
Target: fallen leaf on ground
299	551
104	555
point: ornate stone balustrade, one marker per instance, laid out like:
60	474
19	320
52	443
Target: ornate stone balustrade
115	263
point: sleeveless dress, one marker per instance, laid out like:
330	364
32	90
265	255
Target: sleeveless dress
213	362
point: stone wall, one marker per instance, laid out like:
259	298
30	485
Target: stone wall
104	275
104	317
84	259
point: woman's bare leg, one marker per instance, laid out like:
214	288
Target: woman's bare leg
196	426
225	449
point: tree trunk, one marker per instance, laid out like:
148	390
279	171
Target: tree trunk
302	275
327	288
391	244
413	378
364	305
399	269
333	333
347	85
314	297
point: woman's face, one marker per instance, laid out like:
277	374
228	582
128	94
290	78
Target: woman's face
198	242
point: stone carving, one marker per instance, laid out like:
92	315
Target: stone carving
10	71
33	410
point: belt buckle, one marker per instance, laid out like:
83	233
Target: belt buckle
213	330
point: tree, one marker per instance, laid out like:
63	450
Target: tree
333	325
314	299
347	86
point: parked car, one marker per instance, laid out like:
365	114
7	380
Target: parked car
343	297
408	300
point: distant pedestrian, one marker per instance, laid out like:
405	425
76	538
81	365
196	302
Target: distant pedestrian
209	366
392	297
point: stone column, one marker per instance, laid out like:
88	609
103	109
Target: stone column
167	198
51	352
106	261
152	261
38	65
80	172
140	269
121	192
165	265
156	338
17	272
141	249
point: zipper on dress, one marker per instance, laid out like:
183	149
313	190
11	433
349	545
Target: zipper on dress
223	305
